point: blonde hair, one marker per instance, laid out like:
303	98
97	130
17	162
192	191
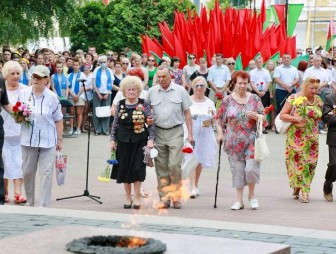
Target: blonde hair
197	80
306	83
10	66
131	81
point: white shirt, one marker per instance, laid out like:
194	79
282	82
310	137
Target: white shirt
88	84
260	78
46	110
219	75
286	73
319	73
103	87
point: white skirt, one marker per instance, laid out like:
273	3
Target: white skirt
12	158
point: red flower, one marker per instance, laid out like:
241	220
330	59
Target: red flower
310	113
219	96
271	108
187	149
18	104
15	108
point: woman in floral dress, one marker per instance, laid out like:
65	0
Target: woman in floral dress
238	117
303	110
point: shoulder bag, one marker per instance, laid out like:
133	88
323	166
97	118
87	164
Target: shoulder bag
261	150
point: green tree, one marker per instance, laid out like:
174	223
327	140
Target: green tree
31	19
226	3
120	24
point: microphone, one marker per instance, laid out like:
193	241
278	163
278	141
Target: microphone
81	80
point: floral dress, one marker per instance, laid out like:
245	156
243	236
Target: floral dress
239	130
302	146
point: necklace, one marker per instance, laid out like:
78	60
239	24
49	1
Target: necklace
311	103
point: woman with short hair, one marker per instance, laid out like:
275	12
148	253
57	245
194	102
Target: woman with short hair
129	135
238	116
11	152
203	111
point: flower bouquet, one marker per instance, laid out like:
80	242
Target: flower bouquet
21	113
105	175
219	97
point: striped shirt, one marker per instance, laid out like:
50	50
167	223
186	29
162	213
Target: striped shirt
46	110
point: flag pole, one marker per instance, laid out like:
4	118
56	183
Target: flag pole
286	15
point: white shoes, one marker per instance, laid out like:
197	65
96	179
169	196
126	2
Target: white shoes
78	132
194	193
254	203
237	206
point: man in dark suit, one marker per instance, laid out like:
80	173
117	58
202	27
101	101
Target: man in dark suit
329	117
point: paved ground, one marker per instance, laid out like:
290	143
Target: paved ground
308	228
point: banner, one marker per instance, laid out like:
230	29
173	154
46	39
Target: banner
294	12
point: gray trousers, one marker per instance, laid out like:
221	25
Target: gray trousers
168	163
44	160
244	172
101	125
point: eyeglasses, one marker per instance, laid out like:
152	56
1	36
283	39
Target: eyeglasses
191	58
102	62
231	63
125	63
200	86
37	77
312	81
279	62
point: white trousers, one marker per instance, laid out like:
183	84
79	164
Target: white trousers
44	160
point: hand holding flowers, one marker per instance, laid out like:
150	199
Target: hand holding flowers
21	113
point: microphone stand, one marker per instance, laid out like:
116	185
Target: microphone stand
86	191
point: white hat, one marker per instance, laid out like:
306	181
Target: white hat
42	71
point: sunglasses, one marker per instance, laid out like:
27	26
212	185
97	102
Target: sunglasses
312	81
37	77
191	58
200	86
151	60
231	63
125	63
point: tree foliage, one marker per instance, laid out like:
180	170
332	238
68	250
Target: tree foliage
120	24
31	19
226	3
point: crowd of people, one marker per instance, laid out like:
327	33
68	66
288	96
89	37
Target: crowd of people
156	103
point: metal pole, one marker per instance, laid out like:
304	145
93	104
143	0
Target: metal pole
286	15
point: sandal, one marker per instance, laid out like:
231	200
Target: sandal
296	193
305	198
18	199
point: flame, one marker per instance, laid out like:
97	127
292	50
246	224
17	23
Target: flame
131	242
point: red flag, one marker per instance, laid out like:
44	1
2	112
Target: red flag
168	45
265	49
179	51
280	10
263	12
154	46
144	44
